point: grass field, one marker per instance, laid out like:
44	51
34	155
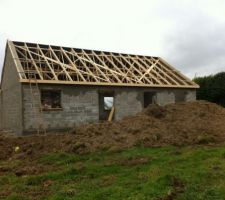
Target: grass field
190	173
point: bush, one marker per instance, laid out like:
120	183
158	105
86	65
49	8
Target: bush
212	88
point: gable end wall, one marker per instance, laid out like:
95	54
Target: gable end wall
11	96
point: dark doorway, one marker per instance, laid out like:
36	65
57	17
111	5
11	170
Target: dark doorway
106	103
149	98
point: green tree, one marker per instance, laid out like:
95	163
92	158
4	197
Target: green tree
212	88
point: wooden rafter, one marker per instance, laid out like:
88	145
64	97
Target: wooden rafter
152	72
119	70
163	76
61	64
85	66
169	73
131	67
71	62
113	73
47	63
96	66
34	63
89	67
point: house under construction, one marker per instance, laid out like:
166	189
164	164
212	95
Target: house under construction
46	87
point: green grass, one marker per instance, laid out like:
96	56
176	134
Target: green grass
186	173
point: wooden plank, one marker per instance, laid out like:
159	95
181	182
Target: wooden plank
84	64
49	66
55	61
167	72
103	67
72	63
125	67
111	84
166	78
189	81
152	70
111	114
62	65
18	64
145	69
107	68
36	67
96	66
118	69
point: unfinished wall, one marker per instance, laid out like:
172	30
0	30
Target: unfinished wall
11	97
80	104
128	102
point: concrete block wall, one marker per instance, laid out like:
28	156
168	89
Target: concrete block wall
127	102
11	97
164	97
190	95
167	96
80	104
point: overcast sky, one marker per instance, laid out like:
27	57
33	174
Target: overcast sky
189	34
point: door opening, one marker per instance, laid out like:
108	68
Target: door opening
149	98
106	104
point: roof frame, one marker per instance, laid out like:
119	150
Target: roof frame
55	64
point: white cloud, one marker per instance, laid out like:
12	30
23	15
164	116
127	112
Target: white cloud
132	26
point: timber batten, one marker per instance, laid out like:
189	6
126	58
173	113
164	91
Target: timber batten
63	65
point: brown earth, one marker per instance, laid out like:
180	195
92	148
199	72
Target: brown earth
191	123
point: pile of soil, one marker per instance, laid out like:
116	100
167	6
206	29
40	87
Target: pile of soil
189	123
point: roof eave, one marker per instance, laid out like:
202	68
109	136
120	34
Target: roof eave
106	84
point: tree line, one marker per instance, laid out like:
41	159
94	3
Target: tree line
212	88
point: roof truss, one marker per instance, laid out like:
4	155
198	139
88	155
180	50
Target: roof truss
53	64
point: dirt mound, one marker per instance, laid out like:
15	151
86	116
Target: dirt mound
190	123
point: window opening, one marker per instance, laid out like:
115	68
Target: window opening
50	99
